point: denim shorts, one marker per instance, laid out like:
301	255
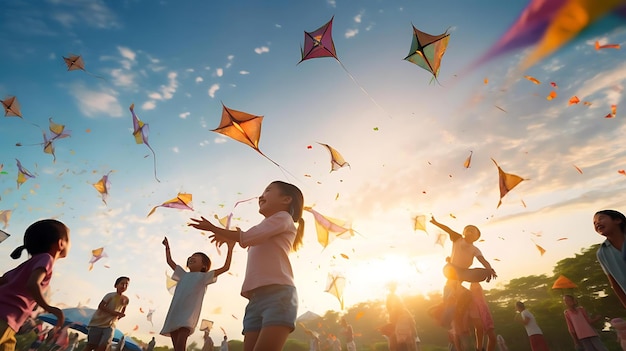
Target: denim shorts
100	336
271	305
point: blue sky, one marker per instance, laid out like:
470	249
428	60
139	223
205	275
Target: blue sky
179	61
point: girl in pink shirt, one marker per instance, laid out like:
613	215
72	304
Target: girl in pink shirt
23	287
268	284
579	326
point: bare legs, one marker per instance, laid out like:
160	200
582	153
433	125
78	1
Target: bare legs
179	338
271	338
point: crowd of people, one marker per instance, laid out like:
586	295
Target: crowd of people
270	315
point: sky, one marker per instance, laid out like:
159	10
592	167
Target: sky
404	136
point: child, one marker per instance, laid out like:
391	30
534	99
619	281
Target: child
463	253
184	312
611	254
535	335
102	323
23	287
579	326
268	284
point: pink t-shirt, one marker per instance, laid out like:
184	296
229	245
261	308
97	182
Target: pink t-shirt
16	302
269	244
578	322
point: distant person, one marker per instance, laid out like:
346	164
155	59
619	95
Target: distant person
535	335
269	282
184	312
72	342
152	343
24	286
208	344
612	225
110	310
579	326
349	335
224	346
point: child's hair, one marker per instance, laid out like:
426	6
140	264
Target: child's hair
615	215
40	236
471	228
119	280
519	304
295	209
206	261
573	299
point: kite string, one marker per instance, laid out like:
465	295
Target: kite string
155	163
363	89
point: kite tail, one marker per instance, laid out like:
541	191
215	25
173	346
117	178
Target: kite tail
155	163
363	89
93	75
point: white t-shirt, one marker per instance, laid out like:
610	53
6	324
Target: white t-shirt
463	253
531	328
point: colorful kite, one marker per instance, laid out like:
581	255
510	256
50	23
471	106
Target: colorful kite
4	235
5	216
96	255
419	223
328	229
441	239
563	282
335	286
149	316
319	43
75	62
58	130
182	201
140	132
549	25
170	284
427	50
22	174
506	181
468	160
606	46
103	186
336	160
11	107
613	112
226	221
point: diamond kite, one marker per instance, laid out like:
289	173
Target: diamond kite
427	50
181	201
506	181
140	132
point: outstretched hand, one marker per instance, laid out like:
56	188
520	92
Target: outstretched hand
166	243
202	224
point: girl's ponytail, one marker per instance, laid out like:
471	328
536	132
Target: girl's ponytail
297	242
17	253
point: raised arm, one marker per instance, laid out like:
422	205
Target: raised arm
229	257
168	256
454	236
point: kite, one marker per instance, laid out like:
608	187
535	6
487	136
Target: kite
336	160
11	107
5	216
149	316
140	132
563	282
427	50
243	127
103	186
58	130
549	25
533	79
573	100
335	285
578	169
419	223
96	254
22	174
613	112
75	62
225	221
329	228
4	235
551	96
441	239
319	43
468	160
170	284
554	85
540	249
182	201
206	325
606	46
506	181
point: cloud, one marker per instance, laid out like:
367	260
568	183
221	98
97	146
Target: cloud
332	3
149	105
122	78
261	50
96	102
127	53
358	17
155	96
351	33
219	140
199	79
213	89
175	149
91	13
244	72
189	70
168	90
219	72
184	115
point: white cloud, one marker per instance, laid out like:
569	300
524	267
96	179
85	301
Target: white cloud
332	3
127	53
168	90
278	25
97	102
261	50
219	72
244	72
155	96
358	18
184	115
93	13
214	88
122	78
149	105
175	149
199	79
189	70
351	33
52	56
607	82
219	140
